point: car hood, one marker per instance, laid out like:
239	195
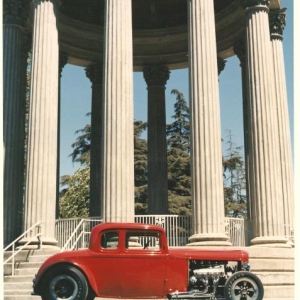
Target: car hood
208	254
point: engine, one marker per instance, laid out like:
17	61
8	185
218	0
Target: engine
207	276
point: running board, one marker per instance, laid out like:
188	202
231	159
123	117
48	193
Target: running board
190	295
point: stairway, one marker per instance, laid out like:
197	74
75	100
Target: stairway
19	287
275	268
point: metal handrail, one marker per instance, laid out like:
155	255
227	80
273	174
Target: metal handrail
13	245
72	235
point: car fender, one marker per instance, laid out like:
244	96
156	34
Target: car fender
86	272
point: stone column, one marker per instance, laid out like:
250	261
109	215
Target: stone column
43	119
265	179
156	78
277	25
15	54
63	59
206	151
240	50
95	73
117	128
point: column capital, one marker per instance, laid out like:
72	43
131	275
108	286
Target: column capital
95	72
221	64
277	20
156	74
15	12
253	3
239	49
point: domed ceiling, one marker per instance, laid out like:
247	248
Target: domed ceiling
159	30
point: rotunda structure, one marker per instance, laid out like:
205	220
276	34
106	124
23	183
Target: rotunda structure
113	38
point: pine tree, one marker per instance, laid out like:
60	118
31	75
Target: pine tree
234	180
179	180
140	168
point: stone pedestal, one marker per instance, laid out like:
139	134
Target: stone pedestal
43	119
117	158
206	153
156	78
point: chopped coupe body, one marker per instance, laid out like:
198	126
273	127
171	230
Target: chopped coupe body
129	260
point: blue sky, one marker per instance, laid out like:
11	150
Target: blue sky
76	97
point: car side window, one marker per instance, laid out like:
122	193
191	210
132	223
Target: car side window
143	240
110	240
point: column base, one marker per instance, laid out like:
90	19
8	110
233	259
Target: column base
44	243
209	239
271	241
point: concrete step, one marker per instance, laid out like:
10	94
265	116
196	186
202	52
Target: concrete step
276	278
267	264
26	265
27	271
17	292
38	258
21	297
285	292
21	278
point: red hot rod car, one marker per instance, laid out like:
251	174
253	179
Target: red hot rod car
134	261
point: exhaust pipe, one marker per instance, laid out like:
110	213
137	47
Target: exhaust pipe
190	295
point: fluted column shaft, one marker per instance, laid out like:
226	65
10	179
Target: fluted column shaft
95	73
265	181
43	119
156	78
240	51
14	100
206	153
63	59
277	24
117	164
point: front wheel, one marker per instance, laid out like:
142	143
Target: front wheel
65	282
244	285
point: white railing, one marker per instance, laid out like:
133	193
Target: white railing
75	233
178	228
235	229
35	235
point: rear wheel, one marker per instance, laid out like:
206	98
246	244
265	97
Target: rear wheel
244	285
65	282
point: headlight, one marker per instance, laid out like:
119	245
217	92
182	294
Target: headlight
246	266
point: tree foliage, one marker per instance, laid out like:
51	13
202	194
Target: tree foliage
234	180
75	197
140	168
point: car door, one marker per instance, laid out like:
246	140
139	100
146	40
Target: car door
143	265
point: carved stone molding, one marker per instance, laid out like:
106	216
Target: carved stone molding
239	49
95	72
252	3
26	42
63	60
156	74
221	64
277	20
15	12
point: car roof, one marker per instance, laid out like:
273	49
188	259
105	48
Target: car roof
132	226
